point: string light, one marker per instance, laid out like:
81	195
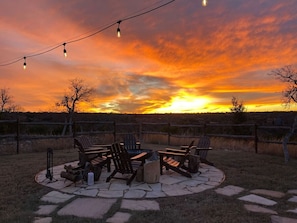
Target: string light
25	64
118	30
65	52
86	36
204	2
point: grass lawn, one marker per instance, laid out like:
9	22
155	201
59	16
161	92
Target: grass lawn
20	194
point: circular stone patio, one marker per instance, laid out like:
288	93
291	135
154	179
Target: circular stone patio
170	184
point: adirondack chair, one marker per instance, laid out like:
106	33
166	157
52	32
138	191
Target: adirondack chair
177	160
98	157
87	144
131	145
124	163
202	149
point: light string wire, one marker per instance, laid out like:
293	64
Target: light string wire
138	14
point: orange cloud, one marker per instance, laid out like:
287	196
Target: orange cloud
166	61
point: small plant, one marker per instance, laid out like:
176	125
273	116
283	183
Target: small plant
238	110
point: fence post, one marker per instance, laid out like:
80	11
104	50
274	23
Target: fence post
204	129
73	129
140	132
114	131
18	135
168	136
256	138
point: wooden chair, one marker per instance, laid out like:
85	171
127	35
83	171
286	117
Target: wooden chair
202	149
87	144
97	157
124	163
131	145
177	160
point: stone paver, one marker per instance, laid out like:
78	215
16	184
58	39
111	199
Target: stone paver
46	209
140	205
293	210
200	188
119	217
293	199
257	199
294	191
229	190
87	207
257	208
155	194
175	190
270	193
110	194
42	220
135	194
86	192
279	219
56	197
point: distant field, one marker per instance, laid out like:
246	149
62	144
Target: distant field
264	118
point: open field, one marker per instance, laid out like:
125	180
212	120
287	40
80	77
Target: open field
20	195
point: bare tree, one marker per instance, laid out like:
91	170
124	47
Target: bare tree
288	75
78	92
6	102
5	98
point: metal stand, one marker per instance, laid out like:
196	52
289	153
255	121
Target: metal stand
49	164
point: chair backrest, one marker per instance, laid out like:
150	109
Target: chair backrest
130	142
84	141
121	159
204	142
78	143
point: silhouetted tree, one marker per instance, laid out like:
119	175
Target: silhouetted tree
78	92
238	110
288	75
6	102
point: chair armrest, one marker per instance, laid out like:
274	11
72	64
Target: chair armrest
208	148
175	150
90	149
139	156
180	150
97	152
100	145
162	152
97	147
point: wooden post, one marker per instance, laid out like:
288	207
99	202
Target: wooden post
18	135
114	131
140	132
256	138
204	129
168	136
74	129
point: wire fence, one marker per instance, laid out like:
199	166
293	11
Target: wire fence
17	131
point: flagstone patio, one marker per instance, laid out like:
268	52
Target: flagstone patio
170	184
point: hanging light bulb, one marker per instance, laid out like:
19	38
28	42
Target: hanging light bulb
25	64
204	2
118	30
65	52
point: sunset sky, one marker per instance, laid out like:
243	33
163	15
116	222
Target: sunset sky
182	57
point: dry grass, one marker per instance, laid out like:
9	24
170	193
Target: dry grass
20	195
